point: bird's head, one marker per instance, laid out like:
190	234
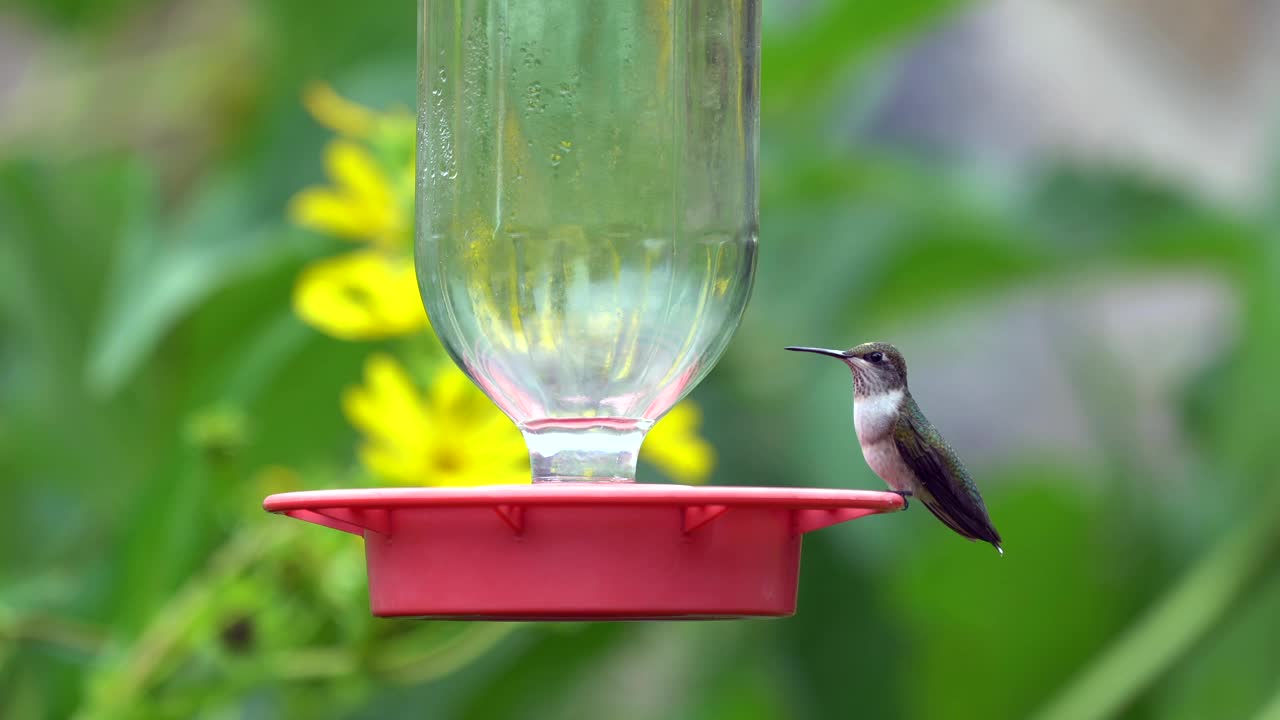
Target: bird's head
877	367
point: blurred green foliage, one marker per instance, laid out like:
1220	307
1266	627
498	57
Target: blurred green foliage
154	386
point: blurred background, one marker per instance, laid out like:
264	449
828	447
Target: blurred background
1065	214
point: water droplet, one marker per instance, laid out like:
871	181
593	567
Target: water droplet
529	60
533	97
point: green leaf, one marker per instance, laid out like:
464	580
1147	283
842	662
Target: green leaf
1195	605
1214	682
801	64
990	634
155	284
840	651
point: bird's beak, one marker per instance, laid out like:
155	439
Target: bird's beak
822	351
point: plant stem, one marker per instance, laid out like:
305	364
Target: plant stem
315	663
417	666
64	632
1186	613
132	673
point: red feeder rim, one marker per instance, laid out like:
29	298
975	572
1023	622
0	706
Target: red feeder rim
582	551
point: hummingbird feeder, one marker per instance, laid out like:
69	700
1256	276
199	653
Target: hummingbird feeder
586	243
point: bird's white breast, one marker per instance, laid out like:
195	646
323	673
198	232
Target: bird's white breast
874	416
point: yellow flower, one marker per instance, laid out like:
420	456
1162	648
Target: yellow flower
361	295
361	205
369	293
453	434
676	448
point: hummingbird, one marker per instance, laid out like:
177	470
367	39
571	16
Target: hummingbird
902	446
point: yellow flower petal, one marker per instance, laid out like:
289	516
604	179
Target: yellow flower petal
449	390
326	211
355	171
388	403
338	113
393	463
452	435
364	295
676	448
361	205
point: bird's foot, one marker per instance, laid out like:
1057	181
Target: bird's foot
904	494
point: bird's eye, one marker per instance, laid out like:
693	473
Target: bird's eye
875	357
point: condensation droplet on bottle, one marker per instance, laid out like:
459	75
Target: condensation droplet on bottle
528	58
533	97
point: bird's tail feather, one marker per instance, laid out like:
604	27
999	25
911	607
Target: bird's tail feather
974	526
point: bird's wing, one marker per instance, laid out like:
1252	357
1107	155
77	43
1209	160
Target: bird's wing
953	496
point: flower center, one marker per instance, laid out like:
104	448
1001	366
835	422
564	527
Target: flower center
357	295
447	459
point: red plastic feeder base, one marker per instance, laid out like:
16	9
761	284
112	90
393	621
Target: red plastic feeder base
582	551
